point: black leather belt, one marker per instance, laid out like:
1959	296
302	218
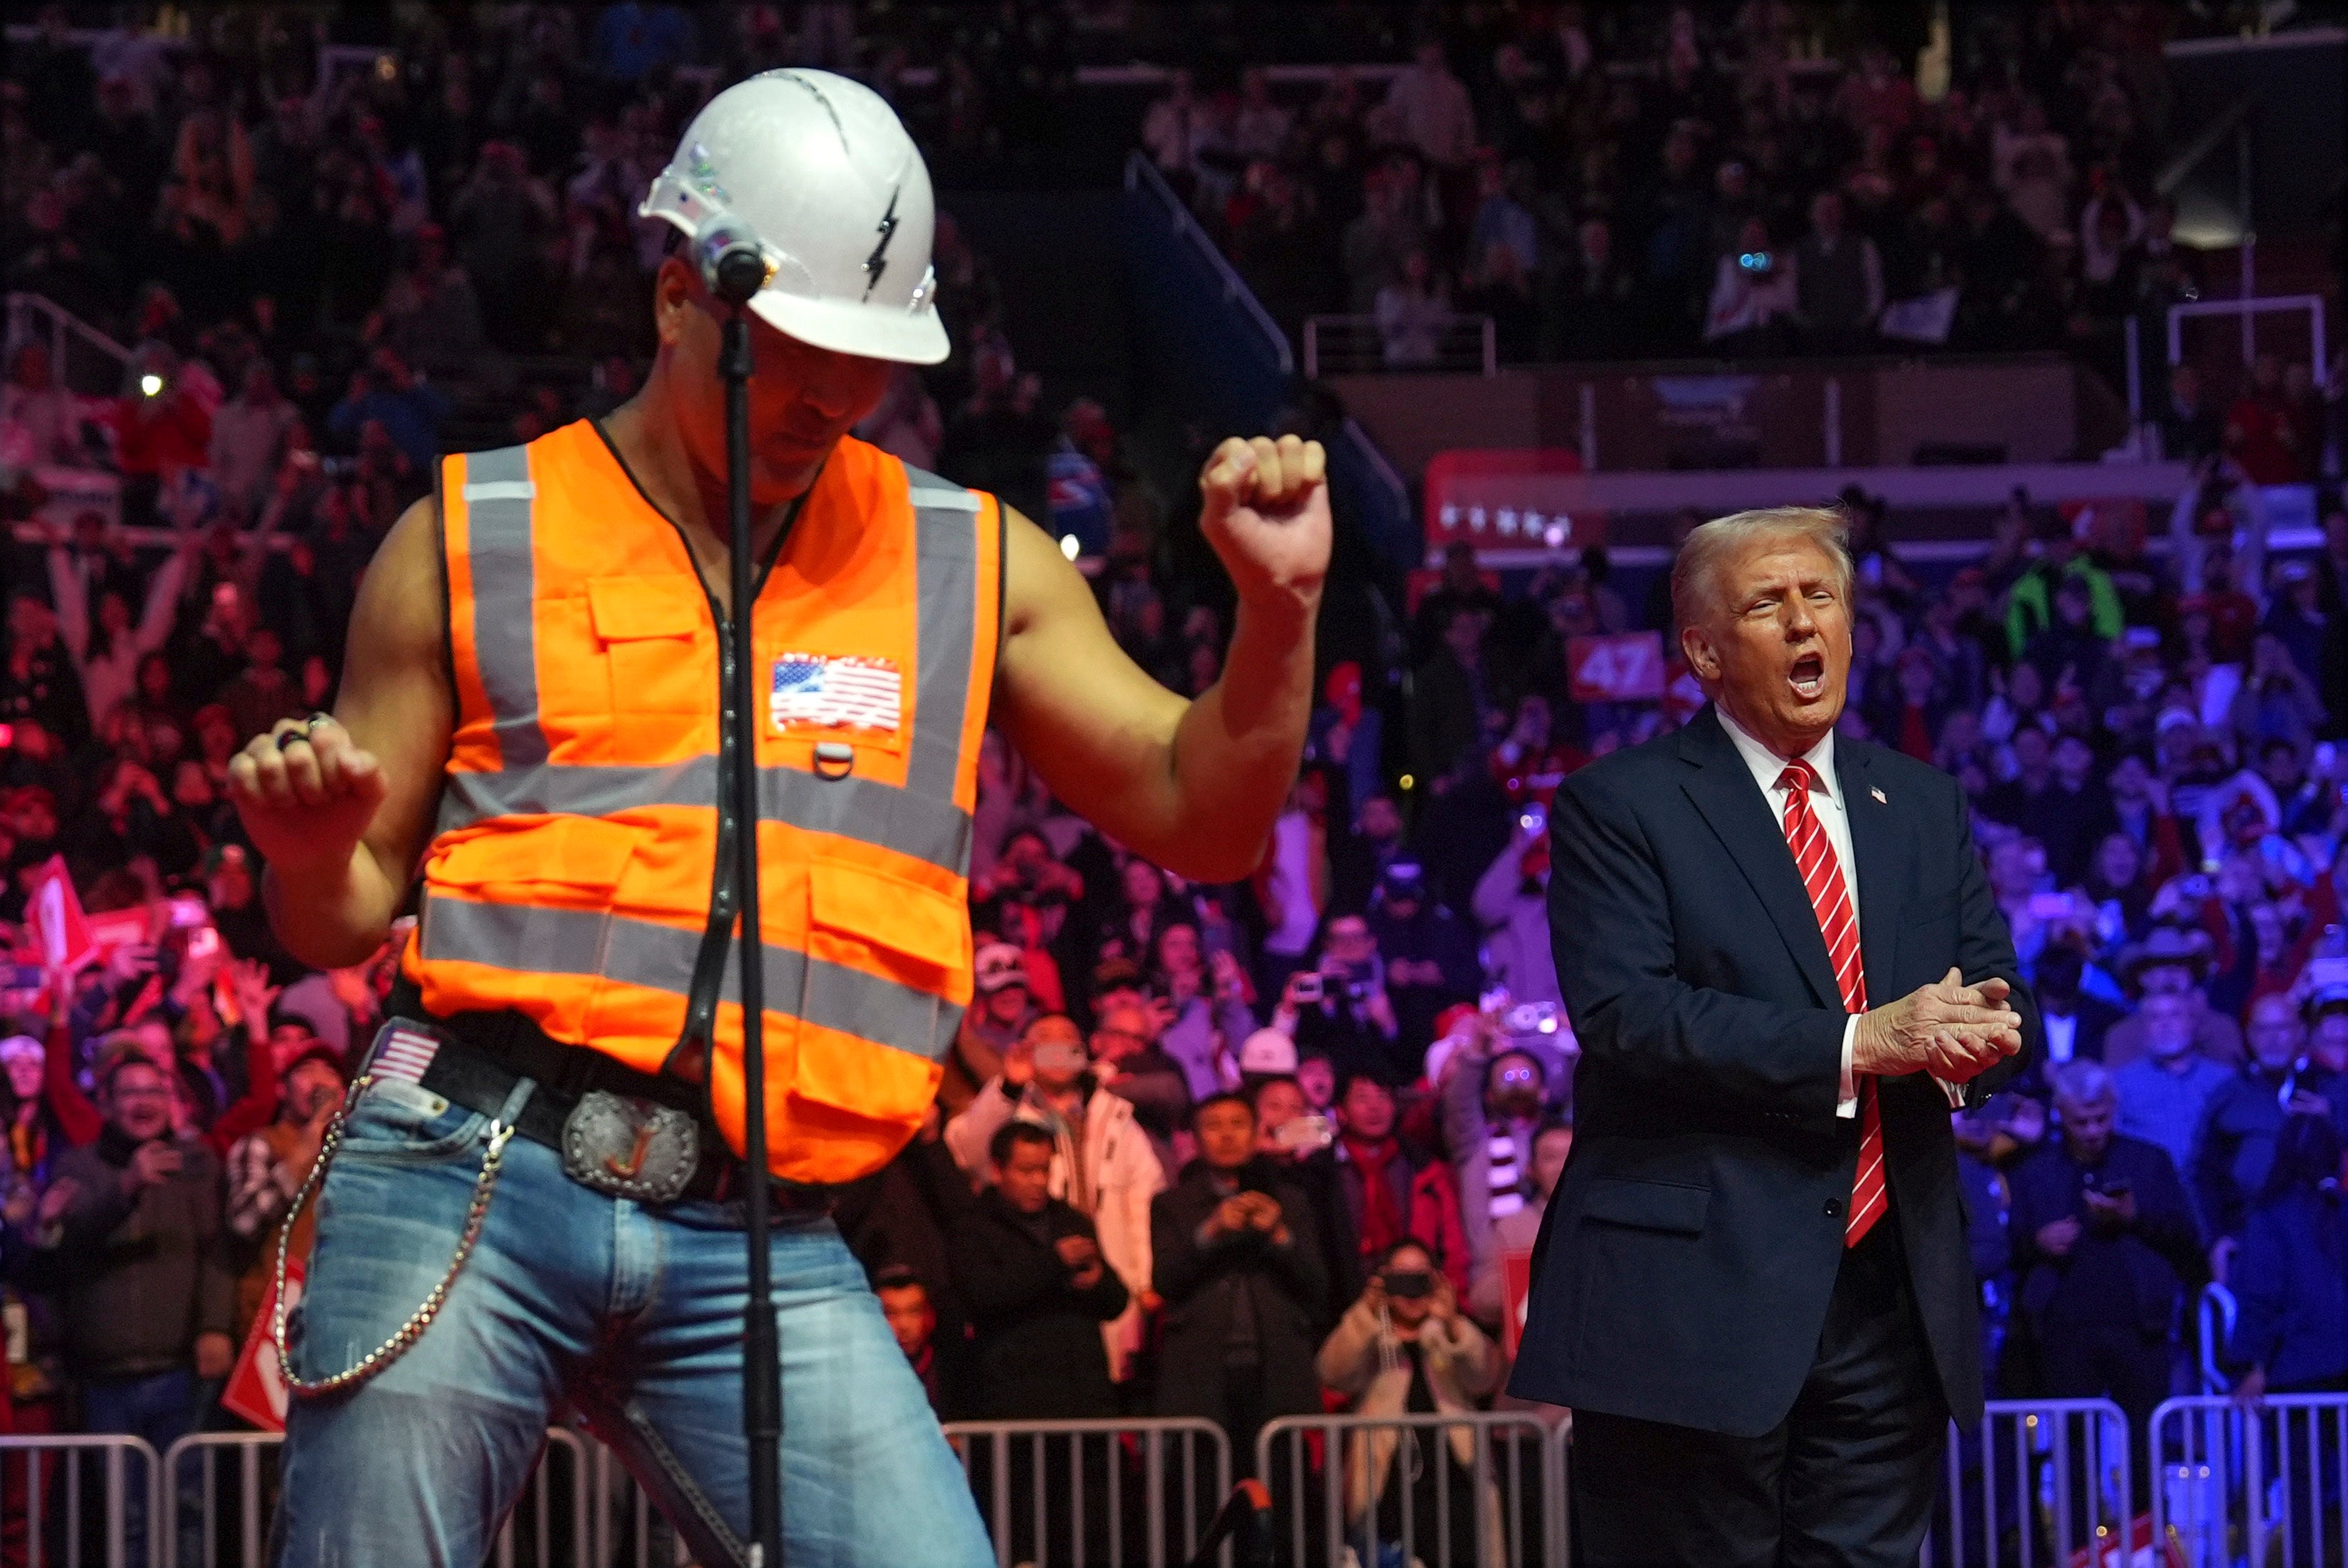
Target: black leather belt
483	1055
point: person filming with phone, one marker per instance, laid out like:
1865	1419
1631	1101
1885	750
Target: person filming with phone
1239	1263
2104	1245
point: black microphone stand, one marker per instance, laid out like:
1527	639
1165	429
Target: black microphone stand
739	276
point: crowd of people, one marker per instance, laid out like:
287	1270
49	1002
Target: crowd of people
1230	1151
1625	182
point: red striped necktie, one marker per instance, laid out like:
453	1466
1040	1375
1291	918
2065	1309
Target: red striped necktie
1830	898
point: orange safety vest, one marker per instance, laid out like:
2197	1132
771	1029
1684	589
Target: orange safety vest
580	874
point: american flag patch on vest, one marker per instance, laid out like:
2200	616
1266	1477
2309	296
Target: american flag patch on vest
845	693
403	1051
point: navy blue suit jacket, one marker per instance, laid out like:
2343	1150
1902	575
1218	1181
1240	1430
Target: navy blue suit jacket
1685	1263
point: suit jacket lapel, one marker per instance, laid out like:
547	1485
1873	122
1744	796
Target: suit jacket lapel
1875	845
1723	790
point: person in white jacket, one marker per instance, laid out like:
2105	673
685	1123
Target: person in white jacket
1103	1164
1406	1336
1511	908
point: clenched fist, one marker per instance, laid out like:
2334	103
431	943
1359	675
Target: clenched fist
1265	509
1952	1031
305	792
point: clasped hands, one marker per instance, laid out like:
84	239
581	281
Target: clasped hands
1952	1031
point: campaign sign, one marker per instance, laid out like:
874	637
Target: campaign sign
1626	668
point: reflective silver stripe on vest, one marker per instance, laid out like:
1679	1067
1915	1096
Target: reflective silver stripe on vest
946	561
498	500
852	808
661	957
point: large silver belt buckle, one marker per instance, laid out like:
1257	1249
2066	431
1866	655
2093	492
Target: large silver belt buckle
630	1148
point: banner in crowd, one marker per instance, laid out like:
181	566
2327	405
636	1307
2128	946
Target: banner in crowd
54	912
256	1384
1624	667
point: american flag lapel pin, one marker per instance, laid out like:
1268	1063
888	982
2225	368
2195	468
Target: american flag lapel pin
1879	797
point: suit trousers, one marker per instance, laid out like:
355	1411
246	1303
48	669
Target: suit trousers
1846	1480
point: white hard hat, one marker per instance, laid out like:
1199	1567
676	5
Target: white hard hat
820	173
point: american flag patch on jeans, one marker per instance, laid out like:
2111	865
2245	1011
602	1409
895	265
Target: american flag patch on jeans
836	693
403	1051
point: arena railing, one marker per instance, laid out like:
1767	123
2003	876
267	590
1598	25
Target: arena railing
1339	1484
45	1519
1356	345
2261	1484
1137	1494
2039	1483
222	1489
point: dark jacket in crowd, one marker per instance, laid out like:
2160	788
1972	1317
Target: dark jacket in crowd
1236	1300
1039	1351
139	1280
2245	1137
903	1213
2137	1275
2290	1278
1433	934
1314	1176
2095	1018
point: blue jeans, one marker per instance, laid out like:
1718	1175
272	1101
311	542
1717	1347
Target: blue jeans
632	1314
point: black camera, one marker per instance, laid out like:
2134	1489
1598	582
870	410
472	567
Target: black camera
1410	1283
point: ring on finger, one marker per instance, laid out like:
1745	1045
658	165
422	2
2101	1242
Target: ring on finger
287	737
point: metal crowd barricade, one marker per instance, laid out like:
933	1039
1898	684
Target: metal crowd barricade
1118	1492
2202	1490
2298	1480
625	1526
2040	1483
222	1489
1341	1485
2257	1486
44	1521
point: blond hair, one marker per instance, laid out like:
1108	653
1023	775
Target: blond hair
1695	575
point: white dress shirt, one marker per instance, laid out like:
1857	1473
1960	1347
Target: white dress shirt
1768	769
2062	1035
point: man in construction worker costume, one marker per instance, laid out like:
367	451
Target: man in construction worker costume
535	1198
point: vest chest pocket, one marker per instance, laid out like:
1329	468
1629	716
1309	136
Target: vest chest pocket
658	653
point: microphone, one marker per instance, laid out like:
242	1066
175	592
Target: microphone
729	259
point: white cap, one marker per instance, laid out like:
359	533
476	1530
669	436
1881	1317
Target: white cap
822	176
1267	1050
996	965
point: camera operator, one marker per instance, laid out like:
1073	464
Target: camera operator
1406	1349
1341	1009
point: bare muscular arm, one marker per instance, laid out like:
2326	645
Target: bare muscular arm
1194	785
342	817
